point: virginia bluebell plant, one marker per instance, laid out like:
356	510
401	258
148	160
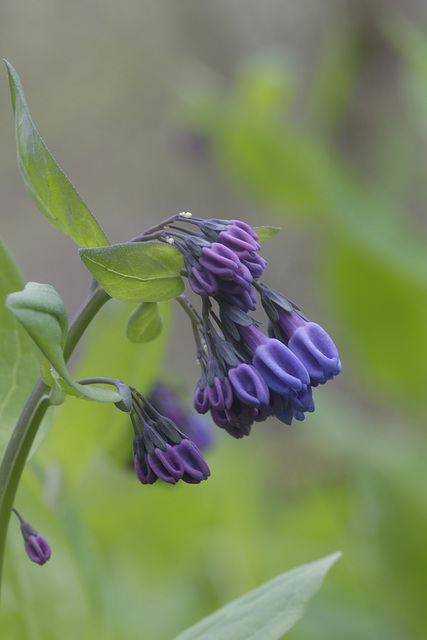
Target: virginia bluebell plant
247	375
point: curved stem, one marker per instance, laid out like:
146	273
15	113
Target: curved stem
19	446
17	452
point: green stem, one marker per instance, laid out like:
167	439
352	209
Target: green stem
19	446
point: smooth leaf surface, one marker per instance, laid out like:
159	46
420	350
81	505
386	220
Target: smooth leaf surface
269	611
265	233
145	323
19	356
42	312
47	185
137	272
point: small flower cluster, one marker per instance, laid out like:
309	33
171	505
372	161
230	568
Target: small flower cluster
161	450
248	376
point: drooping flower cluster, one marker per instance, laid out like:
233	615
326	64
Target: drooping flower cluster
161	450
36	546
247	375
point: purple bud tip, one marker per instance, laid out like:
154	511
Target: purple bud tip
182	461
315	349
280	367
37	547
249	385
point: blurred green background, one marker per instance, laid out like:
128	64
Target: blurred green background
308	115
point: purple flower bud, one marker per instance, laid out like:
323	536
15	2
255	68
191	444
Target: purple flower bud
37	547
280	367
239	240
243	299
248	385
315	349
220	260
217	395
276	404
143	471
166	465
246	227
195	467
255	263
236	430
203	282
173	462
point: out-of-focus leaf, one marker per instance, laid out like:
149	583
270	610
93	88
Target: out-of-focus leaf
47	185
41	311
20	357
385	315
137	272
145	322
265	233
267	612
294	172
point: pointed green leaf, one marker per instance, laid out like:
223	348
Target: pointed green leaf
41	311
265	233
19	356
47	185
145	323
137	272
268	612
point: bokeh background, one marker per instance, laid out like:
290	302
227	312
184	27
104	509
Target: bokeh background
307	115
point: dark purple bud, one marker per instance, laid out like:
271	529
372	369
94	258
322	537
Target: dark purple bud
280	367
220	260
248	385
167	465
277	404
243	299
239	240
240	414
195	467
36	546
286	415
221	420
303	400
38	549
315	349
246	227
217	395
255	263
201	398
203	282
144	473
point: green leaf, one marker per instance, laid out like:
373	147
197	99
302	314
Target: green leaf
137	272
20	358
41	311
265	233
145	323
47	185
269	611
